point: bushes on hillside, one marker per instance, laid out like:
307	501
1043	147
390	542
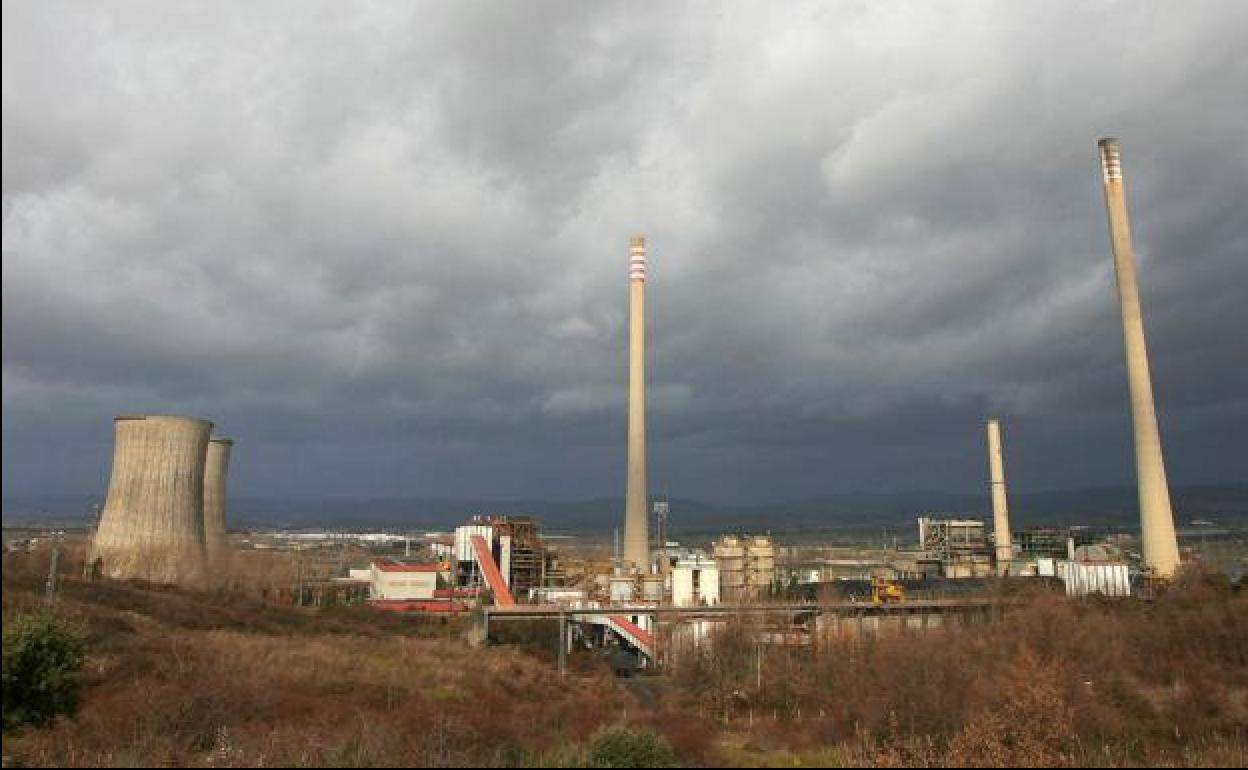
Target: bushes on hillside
42	657
629	746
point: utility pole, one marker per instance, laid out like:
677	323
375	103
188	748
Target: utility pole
53	563
563	645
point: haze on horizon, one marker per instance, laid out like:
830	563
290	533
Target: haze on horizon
384	247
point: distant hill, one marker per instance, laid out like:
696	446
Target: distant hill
1103	506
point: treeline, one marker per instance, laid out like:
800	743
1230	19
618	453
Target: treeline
1053	683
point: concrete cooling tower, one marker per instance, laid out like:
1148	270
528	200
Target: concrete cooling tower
152	526
216	468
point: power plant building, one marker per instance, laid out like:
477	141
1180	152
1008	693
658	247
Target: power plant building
392	581
746	566
152	525
954	548
695	583
515	544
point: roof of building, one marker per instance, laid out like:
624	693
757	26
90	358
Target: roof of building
386	565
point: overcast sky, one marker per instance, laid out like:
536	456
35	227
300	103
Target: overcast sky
384	246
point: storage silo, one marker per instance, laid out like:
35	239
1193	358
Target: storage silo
216	469
152	526
730	557
760	564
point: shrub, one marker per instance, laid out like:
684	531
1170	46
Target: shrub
42	657
625	746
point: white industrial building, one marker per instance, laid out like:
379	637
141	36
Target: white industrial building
391	581
1085	579
695	582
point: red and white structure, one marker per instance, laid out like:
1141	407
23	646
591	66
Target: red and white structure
636	520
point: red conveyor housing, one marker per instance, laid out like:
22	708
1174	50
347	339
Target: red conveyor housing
493	578
635	634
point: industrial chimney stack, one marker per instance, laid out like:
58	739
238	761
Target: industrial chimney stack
152	526
1160	548
636	518
216	468
1000	511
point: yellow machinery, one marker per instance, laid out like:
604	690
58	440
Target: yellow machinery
884	591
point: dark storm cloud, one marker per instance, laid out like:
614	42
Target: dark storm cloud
384	246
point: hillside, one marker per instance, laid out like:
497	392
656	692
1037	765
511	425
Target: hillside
1104	506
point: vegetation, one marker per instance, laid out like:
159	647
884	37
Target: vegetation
42	657
623	745
220	678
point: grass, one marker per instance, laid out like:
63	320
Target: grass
216	677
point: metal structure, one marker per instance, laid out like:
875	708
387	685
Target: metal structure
1002	543
216	468
152	526
746	566
958	546
662	516
636	520
1159	546
729	552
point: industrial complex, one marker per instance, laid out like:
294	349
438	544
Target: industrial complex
165	520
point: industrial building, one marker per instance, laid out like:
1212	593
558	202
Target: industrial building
516	545
746	566
954	548
695	582
393	581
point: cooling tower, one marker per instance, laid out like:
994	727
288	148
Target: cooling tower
636	522
216	468
152	526
1000	511
1159	546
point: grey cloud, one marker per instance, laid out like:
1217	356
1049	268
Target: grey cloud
384	246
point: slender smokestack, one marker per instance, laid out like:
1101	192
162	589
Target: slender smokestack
1000	511
1159	547
152	526
636	519
216	468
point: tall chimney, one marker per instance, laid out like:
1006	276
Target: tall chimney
636	518
1000	511
216	468
1160	548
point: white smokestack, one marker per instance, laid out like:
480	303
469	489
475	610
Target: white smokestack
636	519
1000	510
1159	546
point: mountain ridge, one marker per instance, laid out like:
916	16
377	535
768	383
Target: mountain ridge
1094	506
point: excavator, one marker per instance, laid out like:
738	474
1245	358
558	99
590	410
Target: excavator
884	591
